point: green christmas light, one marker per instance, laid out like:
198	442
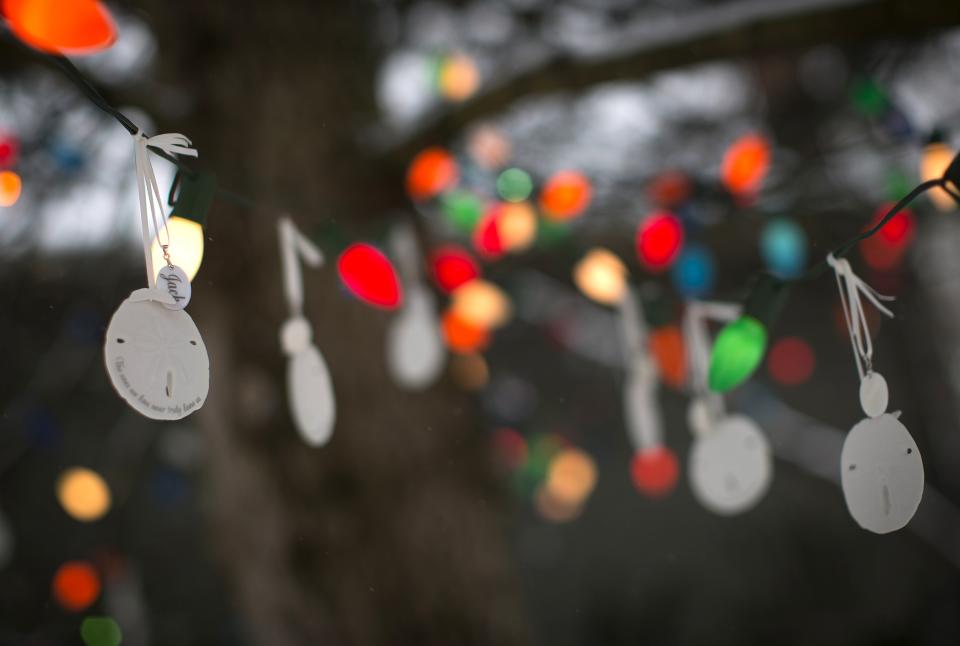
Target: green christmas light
736	353
514	185
869	98
463	210
100	631
740	346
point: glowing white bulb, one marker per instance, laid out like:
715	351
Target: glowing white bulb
186	246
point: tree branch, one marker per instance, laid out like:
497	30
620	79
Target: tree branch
724	31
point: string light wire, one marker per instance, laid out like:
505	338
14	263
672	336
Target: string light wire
243	201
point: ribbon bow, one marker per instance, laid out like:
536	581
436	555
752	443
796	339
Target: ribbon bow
851	287
149	191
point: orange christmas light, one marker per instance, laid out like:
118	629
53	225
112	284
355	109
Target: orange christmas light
431	172
61	26
746	164
10	187
565	195
76	585
461	336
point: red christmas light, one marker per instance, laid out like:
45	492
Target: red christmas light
885	249
790	361
655	471
61	26
670	188
659	239
9	150
370	276
452	266
486	237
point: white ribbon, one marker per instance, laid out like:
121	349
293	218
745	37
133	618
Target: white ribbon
149	191
851	287
642	412
633	328
293	244
404	246
697	345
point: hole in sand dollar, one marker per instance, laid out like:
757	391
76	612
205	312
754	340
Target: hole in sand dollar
120	341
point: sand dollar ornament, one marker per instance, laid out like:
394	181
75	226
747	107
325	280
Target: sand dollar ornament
415	349
309	386
881	471
154	354
730	465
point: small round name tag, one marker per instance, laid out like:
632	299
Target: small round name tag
173	280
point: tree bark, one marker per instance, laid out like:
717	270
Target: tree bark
393	532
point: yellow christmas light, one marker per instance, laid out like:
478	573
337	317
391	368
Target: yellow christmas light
517	225
934	160
83	494
601	276
481	303
186	246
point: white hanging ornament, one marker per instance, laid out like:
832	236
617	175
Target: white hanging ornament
309	386
730	463
881	471
641	409
154	354
730	466
415	350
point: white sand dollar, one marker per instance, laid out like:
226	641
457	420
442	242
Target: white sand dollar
415	352
881	474
730	466
310	392
155	356
874	394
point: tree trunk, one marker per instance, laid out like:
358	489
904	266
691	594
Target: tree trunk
393	532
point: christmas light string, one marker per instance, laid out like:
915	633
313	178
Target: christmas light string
767	295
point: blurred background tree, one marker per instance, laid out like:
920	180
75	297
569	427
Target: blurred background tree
407	527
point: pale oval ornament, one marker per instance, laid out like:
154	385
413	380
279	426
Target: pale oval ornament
731	466
874	394
415	351
155	356
881	474
175	282
310	394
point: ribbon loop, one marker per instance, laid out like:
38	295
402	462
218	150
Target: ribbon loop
148	191
294	244
851	288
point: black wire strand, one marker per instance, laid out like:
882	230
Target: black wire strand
243	201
